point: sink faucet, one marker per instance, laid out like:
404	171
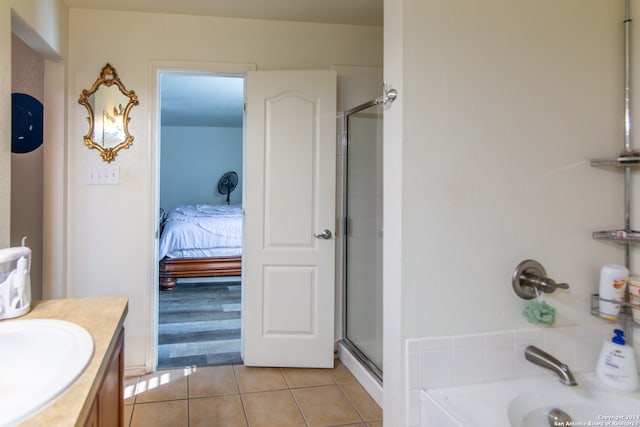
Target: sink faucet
541	358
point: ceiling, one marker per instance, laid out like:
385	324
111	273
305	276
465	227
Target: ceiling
199	100
352	12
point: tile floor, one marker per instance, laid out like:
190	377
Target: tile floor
238	396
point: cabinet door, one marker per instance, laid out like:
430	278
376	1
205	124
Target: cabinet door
92	419
107	409
110	398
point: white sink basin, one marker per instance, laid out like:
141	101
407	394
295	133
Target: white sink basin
39	359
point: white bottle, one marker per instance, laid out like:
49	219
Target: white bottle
613	283
617	364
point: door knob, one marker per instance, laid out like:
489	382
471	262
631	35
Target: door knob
326	235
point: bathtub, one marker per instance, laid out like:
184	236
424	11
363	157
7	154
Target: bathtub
526	402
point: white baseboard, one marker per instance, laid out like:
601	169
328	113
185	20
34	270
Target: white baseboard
135	371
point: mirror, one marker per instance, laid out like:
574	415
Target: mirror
108	104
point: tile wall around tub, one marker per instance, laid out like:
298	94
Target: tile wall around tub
469	359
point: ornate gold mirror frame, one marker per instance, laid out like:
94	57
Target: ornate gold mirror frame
109	132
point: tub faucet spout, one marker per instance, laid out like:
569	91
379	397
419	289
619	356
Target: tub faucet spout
541	358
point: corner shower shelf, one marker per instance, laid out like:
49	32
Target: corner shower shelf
625	307
628	161
624	236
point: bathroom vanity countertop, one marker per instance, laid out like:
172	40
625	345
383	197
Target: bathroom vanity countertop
103	317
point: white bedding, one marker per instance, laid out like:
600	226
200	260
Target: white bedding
192	231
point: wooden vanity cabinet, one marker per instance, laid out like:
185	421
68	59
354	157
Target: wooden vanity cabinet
107	409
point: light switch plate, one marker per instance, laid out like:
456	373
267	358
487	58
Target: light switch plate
103	175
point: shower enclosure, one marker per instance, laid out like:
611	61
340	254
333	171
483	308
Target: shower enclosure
363	235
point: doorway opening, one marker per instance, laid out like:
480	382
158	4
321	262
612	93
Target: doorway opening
201	131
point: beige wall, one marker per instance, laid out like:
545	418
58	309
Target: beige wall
395	399
5	124
110	236
504	104
27	168
42	25
499	129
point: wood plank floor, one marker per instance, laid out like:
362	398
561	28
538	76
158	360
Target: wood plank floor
199	324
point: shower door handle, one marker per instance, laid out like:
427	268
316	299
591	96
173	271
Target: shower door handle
326	235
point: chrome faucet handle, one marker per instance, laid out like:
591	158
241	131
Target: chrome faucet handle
528	276
544	284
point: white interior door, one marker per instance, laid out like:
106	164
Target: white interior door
288	266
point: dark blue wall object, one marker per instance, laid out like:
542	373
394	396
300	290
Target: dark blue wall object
26	123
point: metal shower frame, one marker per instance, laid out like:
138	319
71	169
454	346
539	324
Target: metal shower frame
389	95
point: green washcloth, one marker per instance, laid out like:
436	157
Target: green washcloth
539	312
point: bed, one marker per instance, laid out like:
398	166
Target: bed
200	241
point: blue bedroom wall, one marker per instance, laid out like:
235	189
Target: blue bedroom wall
192	160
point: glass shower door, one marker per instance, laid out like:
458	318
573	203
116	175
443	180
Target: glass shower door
363	239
